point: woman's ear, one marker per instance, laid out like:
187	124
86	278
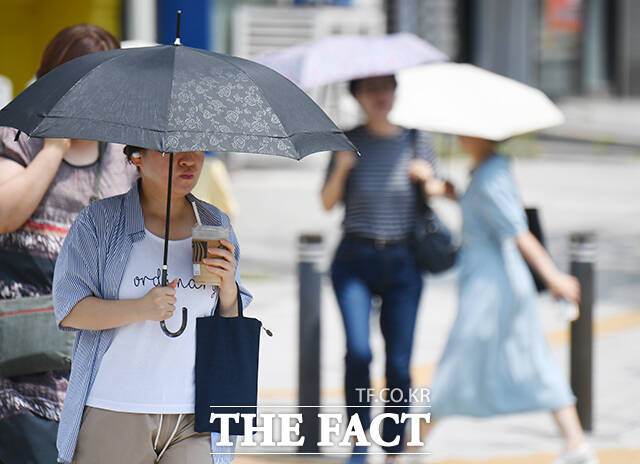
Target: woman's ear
136	158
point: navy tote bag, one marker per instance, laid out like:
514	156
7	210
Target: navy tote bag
226	368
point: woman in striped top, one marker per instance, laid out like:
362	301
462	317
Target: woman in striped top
376	256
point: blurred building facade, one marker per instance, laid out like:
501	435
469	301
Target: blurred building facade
28	25
565	47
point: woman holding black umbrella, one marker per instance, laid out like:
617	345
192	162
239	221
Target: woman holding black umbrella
376	255
139	392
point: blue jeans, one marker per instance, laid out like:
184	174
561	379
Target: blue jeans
358	272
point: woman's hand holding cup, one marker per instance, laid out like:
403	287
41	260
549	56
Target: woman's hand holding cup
159	303
222	262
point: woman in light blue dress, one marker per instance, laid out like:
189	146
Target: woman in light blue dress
497	360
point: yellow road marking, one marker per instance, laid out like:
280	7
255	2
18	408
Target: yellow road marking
609	456
606	326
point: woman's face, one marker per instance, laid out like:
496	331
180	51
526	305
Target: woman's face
154	169
376	96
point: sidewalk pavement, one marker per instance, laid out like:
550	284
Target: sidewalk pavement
590	192
616	382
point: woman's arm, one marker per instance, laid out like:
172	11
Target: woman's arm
333	189
422	171
22	189
560	284
93	313
441	188
424	168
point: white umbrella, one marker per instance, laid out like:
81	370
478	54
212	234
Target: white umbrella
463	99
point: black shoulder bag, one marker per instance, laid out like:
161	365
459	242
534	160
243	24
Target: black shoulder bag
435	250
535	227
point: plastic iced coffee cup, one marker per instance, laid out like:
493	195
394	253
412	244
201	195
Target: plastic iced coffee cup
203	238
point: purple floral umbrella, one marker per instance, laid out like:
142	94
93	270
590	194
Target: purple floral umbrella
344	57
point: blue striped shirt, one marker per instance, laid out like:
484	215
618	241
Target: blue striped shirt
91	263
379	197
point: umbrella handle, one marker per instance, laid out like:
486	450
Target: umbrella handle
166	331
183	326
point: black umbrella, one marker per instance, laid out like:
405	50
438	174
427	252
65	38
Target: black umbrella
174	98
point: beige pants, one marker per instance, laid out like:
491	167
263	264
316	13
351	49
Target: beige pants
122	437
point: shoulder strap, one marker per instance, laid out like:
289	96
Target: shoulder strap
421	197
95	195
413	140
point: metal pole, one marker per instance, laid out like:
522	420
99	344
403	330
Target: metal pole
140	20
582	250
310	249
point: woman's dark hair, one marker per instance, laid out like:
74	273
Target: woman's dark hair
355	83
75	41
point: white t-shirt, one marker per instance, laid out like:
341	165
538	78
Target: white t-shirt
145	371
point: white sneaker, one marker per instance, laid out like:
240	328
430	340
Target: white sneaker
583	455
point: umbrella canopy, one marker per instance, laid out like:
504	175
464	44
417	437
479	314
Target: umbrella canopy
344	57
174	98
463	99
